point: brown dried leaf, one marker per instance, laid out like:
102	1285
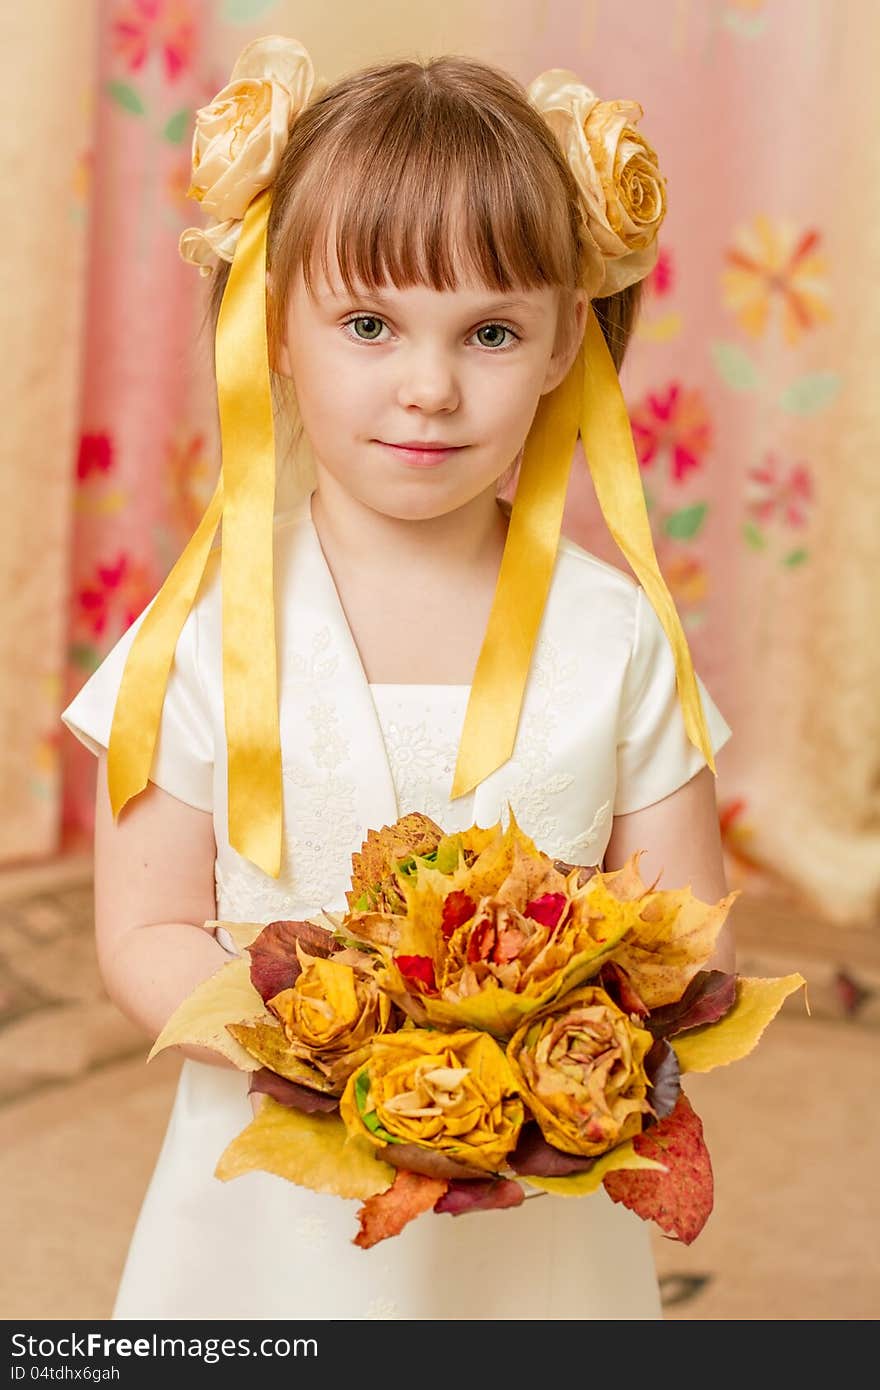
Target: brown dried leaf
268	1044
384	849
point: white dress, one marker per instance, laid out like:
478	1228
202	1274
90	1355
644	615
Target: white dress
258	1247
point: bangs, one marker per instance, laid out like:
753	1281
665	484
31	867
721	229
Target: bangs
427	185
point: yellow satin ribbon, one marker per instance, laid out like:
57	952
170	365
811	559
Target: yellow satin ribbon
245	496
589	400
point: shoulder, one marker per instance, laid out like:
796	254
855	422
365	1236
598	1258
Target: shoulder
593	597
579	567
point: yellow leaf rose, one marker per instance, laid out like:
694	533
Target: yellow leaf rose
579	1065
622	190
452	1093
328	1019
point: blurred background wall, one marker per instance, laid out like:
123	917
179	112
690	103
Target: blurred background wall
750	381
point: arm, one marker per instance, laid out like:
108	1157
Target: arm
682	839
154	890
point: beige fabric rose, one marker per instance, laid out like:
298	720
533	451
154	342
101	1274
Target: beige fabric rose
623	192
239	140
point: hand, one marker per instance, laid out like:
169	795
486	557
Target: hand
256	1100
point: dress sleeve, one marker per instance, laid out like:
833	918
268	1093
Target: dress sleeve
183	759
654	754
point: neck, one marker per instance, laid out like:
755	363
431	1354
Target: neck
470	537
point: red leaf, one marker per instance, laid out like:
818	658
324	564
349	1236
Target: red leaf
615	980
662	1070
534	1155
274	965
388	1212
679	1200
547	909
418	971
269	1083
481	941
480	1194
708	997
458	908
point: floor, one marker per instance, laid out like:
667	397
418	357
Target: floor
792	1129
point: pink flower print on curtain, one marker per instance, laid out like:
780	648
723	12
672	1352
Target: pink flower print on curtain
672	425
777	492
144	26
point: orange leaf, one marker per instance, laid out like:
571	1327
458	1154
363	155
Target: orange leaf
388	1212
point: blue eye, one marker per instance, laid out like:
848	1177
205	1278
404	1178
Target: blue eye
367	327
495	330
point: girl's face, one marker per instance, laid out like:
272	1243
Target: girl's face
458	371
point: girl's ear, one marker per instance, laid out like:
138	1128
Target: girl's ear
573	321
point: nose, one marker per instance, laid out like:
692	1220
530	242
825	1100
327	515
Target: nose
427	381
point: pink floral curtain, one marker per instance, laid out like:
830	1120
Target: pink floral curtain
736	380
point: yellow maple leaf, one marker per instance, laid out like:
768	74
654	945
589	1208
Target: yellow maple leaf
200	1021
672	936
734	1036
314	1151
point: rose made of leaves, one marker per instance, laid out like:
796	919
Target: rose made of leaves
580	1068
326	1022
451	1093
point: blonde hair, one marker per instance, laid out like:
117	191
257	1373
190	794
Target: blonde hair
426	171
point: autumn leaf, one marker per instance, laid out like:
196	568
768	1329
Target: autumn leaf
735	1035
275	965
388	1212
484	1194
679	1200
708	997
312	1150
623	1156
383	850
201	1020
533	1155
267	1043
670	939
266	1082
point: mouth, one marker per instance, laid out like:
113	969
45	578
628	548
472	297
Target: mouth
419	454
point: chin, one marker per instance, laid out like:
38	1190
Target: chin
416	502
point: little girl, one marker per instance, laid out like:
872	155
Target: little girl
437	262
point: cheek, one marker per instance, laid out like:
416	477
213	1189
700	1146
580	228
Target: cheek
509	398
329	390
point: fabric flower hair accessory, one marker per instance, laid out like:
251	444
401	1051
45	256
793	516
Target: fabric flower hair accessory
622	191
239	140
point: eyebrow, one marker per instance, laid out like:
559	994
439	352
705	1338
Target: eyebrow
490	306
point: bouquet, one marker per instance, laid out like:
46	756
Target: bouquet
482	1024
